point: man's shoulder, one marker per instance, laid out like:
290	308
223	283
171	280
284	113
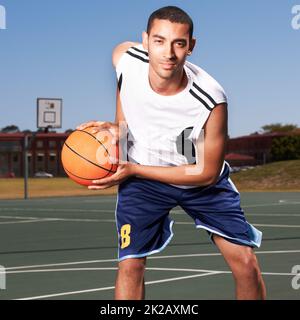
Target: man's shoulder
130	51
120	49
205	85
138	53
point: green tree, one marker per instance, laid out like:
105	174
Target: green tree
10	129
286	148
278	127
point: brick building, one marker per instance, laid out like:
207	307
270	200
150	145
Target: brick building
251	150
45	152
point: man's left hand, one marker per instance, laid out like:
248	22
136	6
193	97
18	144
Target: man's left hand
123	172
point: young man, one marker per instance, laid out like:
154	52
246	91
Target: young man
161	96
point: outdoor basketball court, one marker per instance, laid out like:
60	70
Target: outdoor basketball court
65	248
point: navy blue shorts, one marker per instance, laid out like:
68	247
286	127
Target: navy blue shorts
143	206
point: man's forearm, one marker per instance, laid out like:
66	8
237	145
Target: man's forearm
181	175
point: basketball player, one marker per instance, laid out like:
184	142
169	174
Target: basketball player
161	96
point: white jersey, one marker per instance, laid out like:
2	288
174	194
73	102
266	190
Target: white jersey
160	126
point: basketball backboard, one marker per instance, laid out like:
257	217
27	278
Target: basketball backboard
49	113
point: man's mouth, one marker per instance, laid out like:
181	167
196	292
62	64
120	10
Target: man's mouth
167	65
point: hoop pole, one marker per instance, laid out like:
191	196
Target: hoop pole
25	167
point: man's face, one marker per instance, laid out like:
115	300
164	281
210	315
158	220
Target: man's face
168	45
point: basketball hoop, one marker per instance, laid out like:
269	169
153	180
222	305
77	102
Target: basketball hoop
49	113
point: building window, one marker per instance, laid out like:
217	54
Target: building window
52	157
52	144
15	158
40	157
39	143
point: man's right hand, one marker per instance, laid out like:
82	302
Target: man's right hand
98	126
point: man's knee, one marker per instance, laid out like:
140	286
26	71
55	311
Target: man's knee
247	265
133	267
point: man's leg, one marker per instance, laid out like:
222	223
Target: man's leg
144	227
244	265
130	279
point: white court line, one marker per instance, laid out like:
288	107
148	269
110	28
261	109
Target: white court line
24	221
82	220
110	288
45	219
112	210
16	217
270	204
66	293
60	270
146	283
61	264
222	271
180	211
254	224
273	214
38	219
101	201
253	214
147	268
149	257
276	225
110	269
55	210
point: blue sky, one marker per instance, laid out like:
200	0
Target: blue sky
62	49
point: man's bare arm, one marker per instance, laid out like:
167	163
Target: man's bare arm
116	55
119	112
214	152
120	49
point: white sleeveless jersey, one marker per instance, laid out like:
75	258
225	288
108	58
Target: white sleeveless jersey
164	129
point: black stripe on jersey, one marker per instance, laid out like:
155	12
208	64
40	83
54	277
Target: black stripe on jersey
120	81
141	51
205	94
138	57
201	100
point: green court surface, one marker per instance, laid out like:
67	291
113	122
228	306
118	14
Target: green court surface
65	248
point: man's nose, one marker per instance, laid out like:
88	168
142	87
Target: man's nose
169	52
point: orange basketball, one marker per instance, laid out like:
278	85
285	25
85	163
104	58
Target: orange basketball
85	156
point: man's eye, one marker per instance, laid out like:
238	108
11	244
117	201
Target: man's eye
180	44
157	41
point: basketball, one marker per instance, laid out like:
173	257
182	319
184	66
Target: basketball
85	156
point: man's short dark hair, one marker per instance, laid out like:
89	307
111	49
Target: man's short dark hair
173	14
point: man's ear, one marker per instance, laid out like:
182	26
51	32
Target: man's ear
192	45
145	40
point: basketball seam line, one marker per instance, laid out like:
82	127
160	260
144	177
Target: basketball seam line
87	178
95	139
91	162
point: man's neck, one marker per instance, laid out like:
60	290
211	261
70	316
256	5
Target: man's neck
167	87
